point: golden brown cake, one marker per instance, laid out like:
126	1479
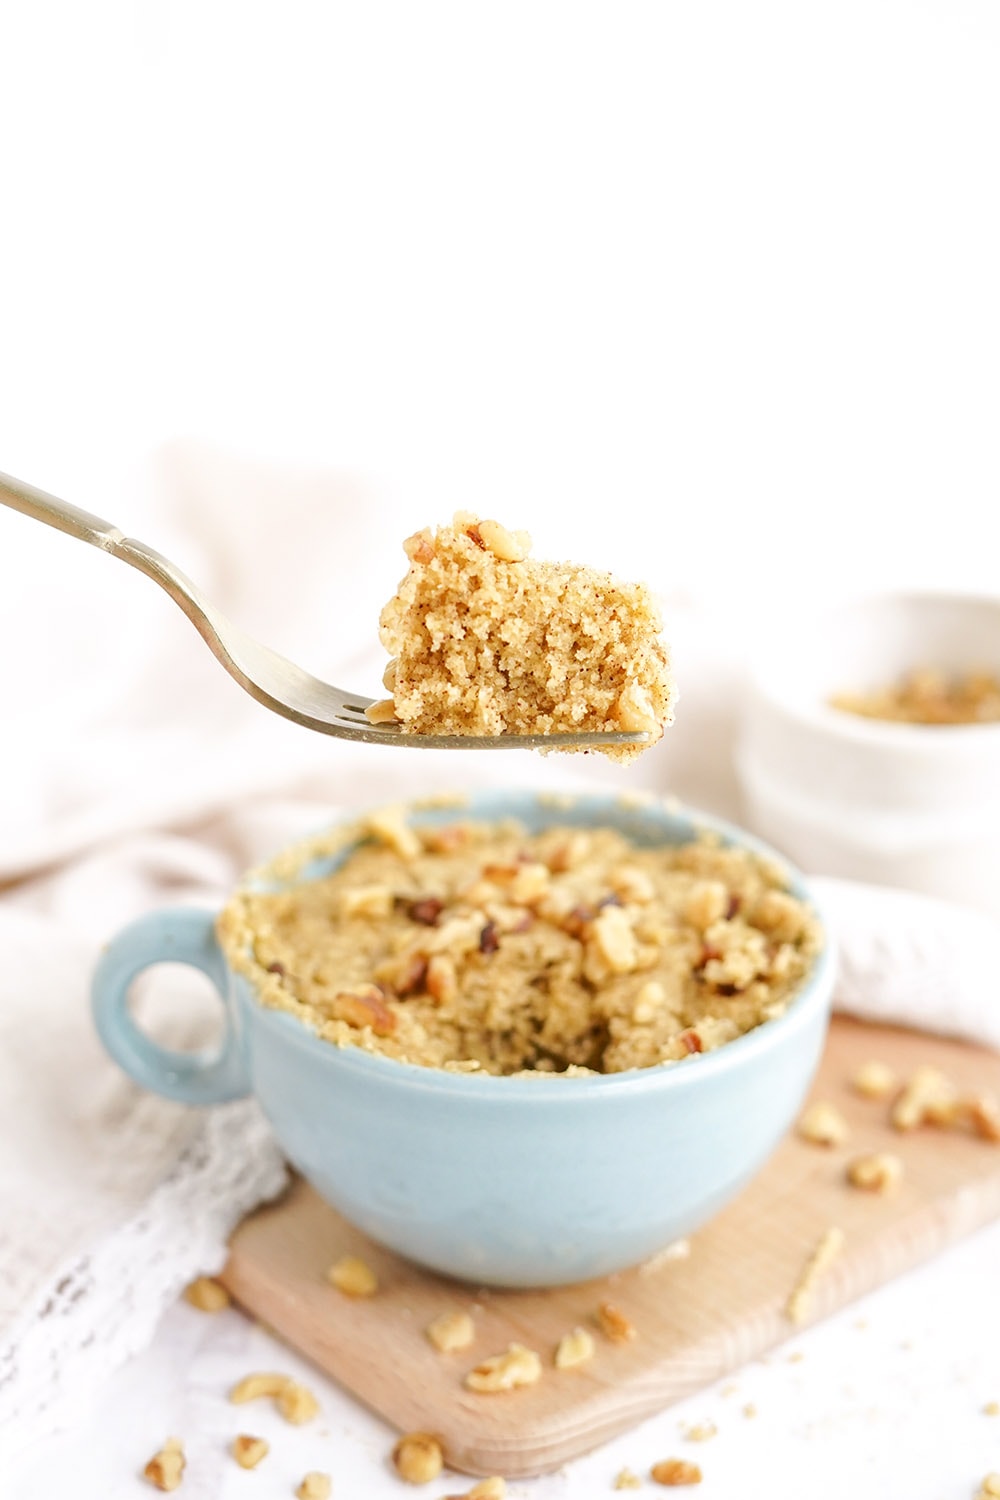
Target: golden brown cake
481	947
487	641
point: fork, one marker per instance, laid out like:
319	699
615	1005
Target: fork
273	680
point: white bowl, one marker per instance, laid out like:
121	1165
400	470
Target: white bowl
899	804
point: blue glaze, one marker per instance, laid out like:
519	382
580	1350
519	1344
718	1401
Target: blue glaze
507	1181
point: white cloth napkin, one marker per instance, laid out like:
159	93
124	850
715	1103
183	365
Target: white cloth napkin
134	775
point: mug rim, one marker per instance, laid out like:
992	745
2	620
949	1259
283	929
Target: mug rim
815	993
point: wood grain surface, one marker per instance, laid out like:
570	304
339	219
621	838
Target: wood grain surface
697	1317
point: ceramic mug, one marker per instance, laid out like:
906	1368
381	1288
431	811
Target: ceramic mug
522	1181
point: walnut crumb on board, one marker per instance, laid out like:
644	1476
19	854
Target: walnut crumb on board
452	1330
166	1468
823	1124
675	1471
874	1080
614	1324
878	1173
826	1251
574	1349
504	1372
249	1451
353	1276
418	1457
207	1294
493	1488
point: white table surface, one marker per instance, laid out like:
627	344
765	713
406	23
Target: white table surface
883	1401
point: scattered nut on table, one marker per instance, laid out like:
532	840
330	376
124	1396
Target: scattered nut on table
625	1479
248	1451
294	1401
166	1467
675	1471
418	1457
207	1294
314	1486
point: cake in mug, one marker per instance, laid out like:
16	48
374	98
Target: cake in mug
487	641
482	947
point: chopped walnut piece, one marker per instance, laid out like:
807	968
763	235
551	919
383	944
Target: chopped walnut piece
389	826
648	1002
314	1486
574	1349
780	916
989	1487
366	901
826	1251
626	1480
295	1402
452	1330
635	712
427	911
404	973
614	1324
612	936
632	884
984	1116
991	1409
442	979
382	712
675	1471
503	1372
878	1173
494	1488
166	1468
353	1276
569	852
420	546
874	1080
389	675
823	1124
530	884
364	1007
248	1451
508	546
207	1294
418	1457
926	1091
706	904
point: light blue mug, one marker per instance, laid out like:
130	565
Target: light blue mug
532	1181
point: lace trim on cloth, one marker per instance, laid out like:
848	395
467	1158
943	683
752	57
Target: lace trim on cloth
104	1305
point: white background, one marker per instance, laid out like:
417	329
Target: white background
708	293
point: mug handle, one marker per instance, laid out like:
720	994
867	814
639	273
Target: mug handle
185	935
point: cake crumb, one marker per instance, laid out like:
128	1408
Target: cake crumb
826	1251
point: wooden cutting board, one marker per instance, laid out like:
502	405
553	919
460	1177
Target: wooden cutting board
697	1317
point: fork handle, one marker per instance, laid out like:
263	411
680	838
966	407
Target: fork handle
68	518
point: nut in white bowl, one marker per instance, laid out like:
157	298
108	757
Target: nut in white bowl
892	803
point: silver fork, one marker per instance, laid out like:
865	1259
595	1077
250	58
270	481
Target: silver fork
273	680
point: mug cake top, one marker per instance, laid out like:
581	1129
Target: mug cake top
479	946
